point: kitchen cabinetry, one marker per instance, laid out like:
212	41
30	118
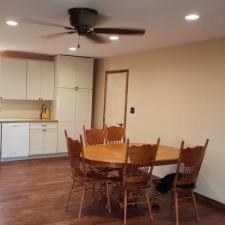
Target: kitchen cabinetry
15	140
73	104
74	111
12	78
74	72
43	138
26	79
40	80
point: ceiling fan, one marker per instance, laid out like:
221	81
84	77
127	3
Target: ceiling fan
82	21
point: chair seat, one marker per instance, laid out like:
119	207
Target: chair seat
185	187
136	186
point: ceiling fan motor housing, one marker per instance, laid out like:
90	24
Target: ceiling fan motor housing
82	19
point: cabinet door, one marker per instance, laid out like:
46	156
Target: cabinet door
66	71
83	105
70	128
13	78
79	128
15	140
66	104
36	141
47	80
84	73
33	80
50	141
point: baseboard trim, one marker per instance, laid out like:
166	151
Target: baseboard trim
43	156
210	201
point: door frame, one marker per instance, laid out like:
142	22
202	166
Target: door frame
112	72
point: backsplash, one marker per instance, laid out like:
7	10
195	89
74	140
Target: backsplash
21	108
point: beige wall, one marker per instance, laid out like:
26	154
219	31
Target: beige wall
178	94
21	109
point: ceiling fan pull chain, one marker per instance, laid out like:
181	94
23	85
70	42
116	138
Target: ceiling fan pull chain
78	44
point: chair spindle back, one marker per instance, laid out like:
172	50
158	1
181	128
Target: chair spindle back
76	157
94	136
139	163
189	164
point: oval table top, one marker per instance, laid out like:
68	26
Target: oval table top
109	154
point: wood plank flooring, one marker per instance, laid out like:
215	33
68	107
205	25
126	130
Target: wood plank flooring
33	192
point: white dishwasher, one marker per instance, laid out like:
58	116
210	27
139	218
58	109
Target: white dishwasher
15	140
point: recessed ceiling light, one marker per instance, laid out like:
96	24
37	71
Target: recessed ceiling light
11	23
72	49
192	17
114	38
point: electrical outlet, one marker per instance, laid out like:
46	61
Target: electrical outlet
132	110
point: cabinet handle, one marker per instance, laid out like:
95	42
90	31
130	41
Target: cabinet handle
44	125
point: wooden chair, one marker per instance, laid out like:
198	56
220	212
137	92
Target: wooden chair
94	136
82	178
114	135
137	173
188	167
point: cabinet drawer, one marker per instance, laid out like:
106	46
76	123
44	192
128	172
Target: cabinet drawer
43	125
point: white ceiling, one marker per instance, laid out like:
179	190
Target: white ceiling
162	19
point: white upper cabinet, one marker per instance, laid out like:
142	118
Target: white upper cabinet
66	71
40	80
13	78
47	80
84	73
33	80
74	72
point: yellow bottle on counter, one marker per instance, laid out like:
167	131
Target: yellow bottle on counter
45	115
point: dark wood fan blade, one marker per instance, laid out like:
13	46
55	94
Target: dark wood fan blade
123	31
51	36
95	38
44	23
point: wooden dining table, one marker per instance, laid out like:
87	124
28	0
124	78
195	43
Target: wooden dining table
112	155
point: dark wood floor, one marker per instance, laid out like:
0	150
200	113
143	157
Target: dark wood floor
33	193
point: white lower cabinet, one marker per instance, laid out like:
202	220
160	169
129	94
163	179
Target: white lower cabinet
43	138
15	140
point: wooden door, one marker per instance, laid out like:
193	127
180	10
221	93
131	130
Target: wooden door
115	106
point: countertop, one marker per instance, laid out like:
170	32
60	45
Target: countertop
24	120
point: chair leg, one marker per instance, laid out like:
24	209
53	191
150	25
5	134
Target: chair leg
82	200
149	205
125	207
108	206
176	208
172	200
195	204
69	194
